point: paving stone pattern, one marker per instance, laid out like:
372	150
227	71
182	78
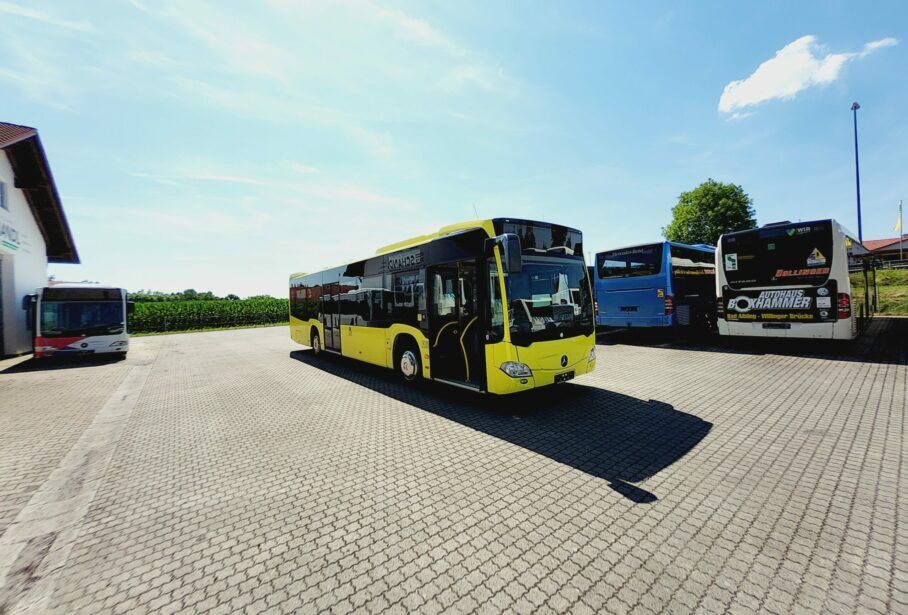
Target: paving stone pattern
679	477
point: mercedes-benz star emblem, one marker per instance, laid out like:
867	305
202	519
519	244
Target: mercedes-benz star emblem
564	360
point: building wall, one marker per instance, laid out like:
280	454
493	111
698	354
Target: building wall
24	264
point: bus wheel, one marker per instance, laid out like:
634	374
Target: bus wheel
316	343
408	365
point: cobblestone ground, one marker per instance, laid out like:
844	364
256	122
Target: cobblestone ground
233	470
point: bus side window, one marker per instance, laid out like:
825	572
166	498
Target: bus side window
408	297
445	300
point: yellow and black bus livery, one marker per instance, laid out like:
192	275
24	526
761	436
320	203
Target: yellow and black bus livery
434	307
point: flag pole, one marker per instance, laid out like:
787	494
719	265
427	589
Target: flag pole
901	234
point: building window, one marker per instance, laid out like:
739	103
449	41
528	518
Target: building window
3	203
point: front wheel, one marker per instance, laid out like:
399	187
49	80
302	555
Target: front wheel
316	343
408	365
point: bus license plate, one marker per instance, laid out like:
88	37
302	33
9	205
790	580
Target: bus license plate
628	308
563	377
777	325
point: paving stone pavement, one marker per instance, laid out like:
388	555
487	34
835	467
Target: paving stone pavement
247	475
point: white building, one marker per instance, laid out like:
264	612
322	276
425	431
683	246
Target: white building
33	230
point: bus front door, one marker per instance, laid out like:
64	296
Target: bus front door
331	317
455	331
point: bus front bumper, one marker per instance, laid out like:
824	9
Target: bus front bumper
545	362
839	329
662	320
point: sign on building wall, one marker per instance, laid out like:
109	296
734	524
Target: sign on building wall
10	240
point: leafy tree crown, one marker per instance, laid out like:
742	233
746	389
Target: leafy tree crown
709	210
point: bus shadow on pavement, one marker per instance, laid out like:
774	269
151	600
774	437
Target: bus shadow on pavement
885	341
615	437
53	363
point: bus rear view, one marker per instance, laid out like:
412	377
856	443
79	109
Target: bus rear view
791	280
78	319
656	285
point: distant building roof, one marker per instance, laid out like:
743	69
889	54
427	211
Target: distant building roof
878	244
32	172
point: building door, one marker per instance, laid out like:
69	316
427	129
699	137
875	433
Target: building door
455	330
331	316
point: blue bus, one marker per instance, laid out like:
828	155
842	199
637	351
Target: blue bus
656	285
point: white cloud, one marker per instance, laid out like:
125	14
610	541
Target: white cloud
29	13
485	77
880	44
797	66
304	169
29	70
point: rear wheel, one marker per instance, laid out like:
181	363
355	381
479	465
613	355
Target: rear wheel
316	343
407	363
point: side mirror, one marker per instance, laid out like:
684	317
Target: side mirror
130	307
28	301
511	252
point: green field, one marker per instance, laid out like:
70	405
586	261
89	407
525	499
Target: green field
892	289
169	316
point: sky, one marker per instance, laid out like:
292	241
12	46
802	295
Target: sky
224	145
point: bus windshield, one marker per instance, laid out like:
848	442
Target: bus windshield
76	318
549	299
630	262
781	255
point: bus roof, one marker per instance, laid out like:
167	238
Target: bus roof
85	285
835	224
488	225
695	246
444	231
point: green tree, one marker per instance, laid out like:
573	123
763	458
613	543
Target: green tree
708	211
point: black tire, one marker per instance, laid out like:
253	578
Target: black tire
316	343
407	363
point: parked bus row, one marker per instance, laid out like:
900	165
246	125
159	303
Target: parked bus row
507	305
804	279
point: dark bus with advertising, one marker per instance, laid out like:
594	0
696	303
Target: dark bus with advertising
77	319
794	279
656	285
498	306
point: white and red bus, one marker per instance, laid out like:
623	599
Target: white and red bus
794	279
77	319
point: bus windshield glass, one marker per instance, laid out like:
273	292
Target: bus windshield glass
782	255
549	299
630	262
77	312
537	238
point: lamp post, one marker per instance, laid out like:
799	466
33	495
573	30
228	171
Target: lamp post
857	170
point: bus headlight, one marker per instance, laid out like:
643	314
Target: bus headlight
516	370
592	356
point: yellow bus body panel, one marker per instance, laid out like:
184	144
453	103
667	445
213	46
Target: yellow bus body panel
367	344
398	329
543	358
301	330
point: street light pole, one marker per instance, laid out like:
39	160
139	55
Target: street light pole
901	234
857	171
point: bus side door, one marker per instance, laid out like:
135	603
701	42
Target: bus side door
331	316
455	330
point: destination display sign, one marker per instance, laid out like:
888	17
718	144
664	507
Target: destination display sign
405	260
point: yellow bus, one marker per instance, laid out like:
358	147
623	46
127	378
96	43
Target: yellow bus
498	306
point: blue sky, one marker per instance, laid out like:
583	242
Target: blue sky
217	146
